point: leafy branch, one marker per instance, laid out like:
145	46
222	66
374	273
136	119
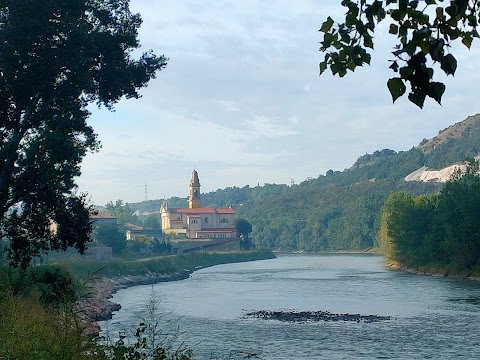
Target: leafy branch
424	38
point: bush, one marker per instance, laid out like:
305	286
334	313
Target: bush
52	285
30	331
148	341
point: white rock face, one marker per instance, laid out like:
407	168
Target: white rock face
425	174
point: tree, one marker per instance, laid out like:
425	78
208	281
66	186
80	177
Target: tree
110	235
460	211
123	212
56	58
440	231
244	228
424	31
152	222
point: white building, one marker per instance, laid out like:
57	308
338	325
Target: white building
196	222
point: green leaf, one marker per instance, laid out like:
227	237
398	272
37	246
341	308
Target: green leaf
439	13
368	41
437	91
327	25
396	87
449	64
393	29
323	67
418	98
467	41
406	72
436	49
394	66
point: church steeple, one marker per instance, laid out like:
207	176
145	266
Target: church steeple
194	197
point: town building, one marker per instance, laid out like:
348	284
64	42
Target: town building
103	218
196	226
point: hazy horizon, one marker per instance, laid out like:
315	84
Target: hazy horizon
241	101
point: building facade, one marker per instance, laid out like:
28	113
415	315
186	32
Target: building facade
196	222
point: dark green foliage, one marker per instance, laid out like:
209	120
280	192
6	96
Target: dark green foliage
147	247
336	212
152	222
410	220
436	231
459	214
340	211
58	57
123	212
424	31
110	235
53	286
244	228
369	159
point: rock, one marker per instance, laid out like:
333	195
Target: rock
99	307
313	316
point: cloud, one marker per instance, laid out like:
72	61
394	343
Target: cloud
228	105
261	126
241	100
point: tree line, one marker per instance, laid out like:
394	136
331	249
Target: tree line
338	210
437	231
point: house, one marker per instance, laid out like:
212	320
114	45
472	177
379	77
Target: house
103	218
199	227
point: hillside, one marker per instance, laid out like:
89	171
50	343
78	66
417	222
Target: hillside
339	210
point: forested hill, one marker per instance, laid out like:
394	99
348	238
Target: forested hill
339	210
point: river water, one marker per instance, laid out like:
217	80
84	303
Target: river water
432	318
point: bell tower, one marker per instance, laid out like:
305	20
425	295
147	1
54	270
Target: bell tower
194	197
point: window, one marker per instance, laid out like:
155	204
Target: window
223	221
206	220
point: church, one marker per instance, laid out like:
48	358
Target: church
205	226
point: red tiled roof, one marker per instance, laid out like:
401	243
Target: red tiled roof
202	211
225	211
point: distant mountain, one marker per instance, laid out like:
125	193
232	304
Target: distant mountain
339	210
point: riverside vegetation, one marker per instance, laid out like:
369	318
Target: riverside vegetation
436	233
39	318
339	210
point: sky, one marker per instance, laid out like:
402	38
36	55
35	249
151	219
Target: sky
241	101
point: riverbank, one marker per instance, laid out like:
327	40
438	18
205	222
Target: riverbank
369	251
434	272
104	281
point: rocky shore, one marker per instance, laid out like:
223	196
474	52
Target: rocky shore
98	306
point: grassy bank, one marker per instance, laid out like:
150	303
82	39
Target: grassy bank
165	265
38	319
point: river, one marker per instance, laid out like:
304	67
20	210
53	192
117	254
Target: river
431	317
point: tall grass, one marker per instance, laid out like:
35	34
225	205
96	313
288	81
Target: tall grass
28	330
38	320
